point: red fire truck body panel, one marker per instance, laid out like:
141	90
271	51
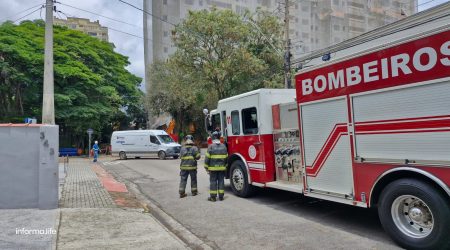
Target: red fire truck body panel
259	161
424	59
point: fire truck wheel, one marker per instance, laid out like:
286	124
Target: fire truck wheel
162	155
239	180
415	214
122	155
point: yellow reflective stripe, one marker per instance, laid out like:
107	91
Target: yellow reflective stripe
218	156
213	191
206	165
221	191
188	168
217	168
197	155
207	154
187	157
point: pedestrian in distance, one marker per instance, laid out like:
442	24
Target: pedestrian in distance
216	160
96	150
189	155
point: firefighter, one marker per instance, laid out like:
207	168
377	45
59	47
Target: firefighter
216	164
189	155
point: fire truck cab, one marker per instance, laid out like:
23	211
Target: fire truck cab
245	122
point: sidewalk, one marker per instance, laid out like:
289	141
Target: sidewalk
96	212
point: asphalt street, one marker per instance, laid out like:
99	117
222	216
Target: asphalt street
271	219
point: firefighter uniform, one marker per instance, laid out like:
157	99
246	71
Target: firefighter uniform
189	155
216	159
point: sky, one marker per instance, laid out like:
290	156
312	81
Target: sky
128	45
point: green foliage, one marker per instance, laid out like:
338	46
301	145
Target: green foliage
92	85
218	55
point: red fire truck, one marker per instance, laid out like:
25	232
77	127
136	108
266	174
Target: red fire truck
368	128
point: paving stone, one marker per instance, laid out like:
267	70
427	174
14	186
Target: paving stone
82	188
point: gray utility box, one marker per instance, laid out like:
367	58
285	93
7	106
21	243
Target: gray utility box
29	166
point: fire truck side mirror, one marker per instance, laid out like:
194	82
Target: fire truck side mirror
208	126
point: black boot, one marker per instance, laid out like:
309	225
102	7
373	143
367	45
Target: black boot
220	198
183	195
194	193
213	199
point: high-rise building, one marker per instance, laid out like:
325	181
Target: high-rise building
319	24
84	25
313	24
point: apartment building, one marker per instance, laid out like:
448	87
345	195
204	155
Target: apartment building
84	25
314	24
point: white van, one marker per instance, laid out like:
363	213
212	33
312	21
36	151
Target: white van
141	143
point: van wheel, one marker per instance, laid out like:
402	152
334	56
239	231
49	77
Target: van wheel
122	155
175	157
415	215
239	180
162	155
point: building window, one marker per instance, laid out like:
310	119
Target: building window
92	33
249	121
165	2
189	2
336	2
343	28
166	50
336	27
166	33
200	2
235	125
164	17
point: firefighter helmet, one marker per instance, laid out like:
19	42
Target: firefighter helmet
215	135
189	139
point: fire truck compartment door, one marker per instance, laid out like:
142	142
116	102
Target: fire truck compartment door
408	124
326	143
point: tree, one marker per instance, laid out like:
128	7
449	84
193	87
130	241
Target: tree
92	86
218	55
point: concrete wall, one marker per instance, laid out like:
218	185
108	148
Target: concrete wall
29	166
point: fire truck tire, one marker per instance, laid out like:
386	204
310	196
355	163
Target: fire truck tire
415	214
122	155
239	180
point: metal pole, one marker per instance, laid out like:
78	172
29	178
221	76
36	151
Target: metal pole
287	55
89	152
48	106
148	55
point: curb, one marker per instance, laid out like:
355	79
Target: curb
57	225
167	221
